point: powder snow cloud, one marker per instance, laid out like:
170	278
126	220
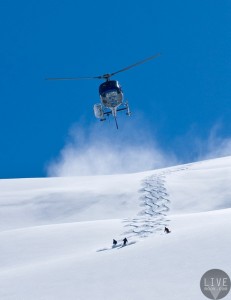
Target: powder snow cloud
97	151
101	149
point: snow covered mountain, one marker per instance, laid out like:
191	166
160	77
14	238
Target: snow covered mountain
56	234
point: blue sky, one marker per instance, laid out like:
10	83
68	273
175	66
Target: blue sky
180	101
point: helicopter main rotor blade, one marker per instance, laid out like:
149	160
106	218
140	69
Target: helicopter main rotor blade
136	64
75	78
107	76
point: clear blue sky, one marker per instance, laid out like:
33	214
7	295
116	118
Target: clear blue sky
183	93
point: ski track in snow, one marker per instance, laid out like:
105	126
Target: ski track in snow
155	205
154	201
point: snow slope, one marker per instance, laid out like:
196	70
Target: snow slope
56	234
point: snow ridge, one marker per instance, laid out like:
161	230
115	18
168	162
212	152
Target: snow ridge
57	258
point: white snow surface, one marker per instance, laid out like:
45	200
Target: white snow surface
56	234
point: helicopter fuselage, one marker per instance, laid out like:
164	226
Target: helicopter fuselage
111	94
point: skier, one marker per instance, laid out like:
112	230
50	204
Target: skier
166	230
125	241
114	243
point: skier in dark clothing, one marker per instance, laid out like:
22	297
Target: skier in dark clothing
166	230
125	241
114	242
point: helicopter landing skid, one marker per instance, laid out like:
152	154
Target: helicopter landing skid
108	113
126	107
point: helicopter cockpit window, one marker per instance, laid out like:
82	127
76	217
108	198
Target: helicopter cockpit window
109	85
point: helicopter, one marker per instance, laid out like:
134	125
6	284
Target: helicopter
110	92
